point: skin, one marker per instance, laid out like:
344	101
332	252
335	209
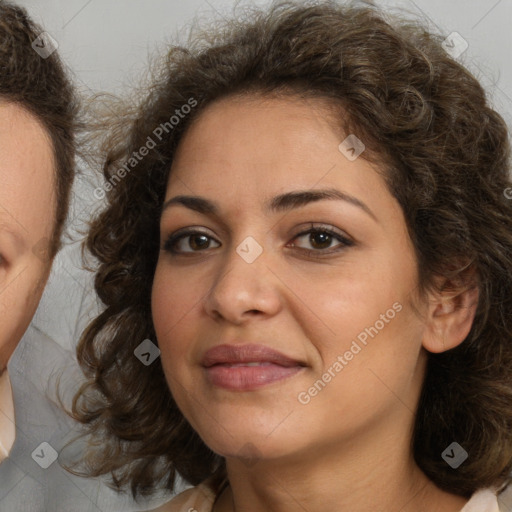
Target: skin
27	205
348	448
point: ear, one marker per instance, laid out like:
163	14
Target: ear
451	312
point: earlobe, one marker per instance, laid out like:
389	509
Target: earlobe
449	320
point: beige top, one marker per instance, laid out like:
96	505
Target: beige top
201	499
7	425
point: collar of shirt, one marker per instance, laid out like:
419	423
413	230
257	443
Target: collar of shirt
7	421
484	500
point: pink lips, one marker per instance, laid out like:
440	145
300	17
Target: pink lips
247	367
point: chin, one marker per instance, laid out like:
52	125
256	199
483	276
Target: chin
250	448
249	436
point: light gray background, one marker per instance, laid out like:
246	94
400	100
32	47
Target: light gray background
106	44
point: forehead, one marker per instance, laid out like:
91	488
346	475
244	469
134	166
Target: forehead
250	118
26	173
242	150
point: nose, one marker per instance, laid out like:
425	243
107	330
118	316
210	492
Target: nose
243	289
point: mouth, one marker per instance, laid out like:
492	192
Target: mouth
247	367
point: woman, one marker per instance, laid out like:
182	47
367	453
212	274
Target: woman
307	221
37	124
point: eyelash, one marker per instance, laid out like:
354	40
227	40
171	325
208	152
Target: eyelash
172	240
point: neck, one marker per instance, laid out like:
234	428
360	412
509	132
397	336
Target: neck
358	476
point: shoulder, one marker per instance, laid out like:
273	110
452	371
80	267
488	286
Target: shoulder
195	499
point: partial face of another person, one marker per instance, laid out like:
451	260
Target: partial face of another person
27	205
335	302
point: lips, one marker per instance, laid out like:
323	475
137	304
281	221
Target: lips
247	367
244	354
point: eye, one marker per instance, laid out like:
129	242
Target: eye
321	239
195	240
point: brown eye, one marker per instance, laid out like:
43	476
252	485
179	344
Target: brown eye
198	242
320	240
188	242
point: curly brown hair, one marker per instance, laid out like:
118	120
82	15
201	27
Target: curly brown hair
39	83
445	156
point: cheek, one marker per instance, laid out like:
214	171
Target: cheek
336	305
363	310
174	302
169	300
18	303
380	347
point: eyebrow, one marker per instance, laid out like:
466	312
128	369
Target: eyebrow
280	203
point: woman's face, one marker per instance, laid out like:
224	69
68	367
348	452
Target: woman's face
335	305
27	207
